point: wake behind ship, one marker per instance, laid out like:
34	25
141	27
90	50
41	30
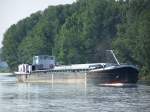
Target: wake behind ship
44	69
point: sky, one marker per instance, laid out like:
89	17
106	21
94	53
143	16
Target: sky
11	11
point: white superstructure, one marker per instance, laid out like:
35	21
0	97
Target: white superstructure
44	61
25	68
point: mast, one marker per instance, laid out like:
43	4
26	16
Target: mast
111	51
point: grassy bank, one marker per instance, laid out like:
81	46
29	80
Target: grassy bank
4	70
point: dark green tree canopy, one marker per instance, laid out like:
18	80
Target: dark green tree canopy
81	32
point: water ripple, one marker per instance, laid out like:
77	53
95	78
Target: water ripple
28	97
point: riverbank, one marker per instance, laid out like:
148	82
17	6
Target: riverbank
6	74
144	78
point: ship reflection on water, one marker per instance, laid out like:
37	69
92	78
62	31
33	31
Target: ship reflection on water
42	97
118	85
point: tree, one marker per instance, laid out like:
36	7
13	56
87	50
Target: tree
133	35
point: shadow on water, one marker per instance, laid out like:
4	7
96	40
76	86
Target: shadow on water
144	83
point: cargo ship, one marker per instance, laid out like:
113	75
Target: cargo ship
45	69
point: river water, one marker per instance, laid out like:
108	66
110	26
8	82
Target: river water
35	97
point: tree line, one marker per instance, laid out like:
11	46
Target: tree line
81	32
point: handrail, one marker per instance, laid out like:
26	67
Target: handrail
114	56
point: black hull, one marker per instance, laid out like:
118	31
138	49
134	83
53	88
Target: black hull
122	74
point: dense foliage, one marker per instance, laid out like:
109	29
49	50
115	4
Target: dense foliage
81	32
133	36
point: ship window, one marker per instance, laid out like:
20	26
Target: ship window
35	58
51	58
45	57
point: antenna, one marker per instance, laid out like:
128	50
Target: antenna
111	51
